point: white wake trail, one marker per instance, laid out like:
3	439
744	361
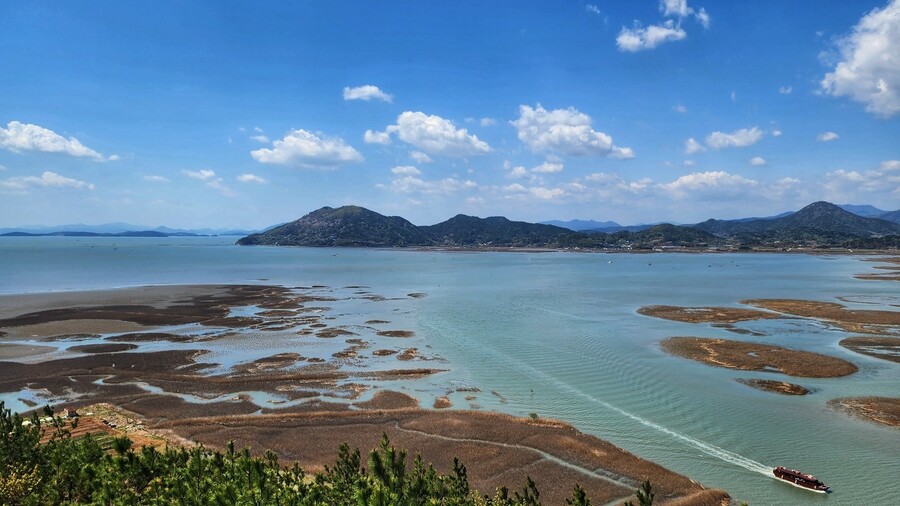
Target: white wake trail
707	448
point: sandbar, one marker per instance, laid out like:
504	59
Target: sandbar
885	348
706	314
748	356
881	410
865	321
778	387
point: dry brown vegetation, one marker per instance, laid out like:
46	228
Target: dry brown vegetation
706	314
779	387
747	356
885	348
882	410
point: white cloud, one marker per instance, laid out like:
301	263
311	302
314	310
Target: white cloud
410	184
869	68
677	8
209	178
114	158
691	146
827	137
710	184
757	161
785	90
737	139
548	168
434	135
866	184
485	122
47	179
366	92
517	172
406	170
547	193
156	179
373	137
639	38
592	8
703	17
260	138
18	137
252	178
679	108
306	149
776	133
566	131
202	174
890	165
420	157
688	163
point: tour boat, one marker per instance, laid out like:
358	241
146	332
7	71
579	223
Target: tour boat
798	479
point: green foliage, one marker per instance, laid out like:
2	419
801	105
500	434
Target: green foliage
109	471
579	497
644	495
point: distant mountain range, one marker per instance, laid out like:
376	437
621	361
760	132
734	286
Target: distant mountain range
820	224
116	230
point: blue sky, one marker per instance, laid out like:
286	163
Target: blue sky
246	114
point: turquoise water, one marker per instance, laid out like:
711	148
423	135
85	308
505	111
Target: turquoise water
558	334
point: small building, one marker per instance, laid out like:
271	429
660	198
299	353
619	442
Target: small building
70	412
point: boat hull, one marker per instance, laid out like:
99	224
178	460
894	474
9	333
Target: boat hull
800	480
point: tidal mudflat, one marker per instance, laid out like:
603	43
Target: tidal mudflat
289	369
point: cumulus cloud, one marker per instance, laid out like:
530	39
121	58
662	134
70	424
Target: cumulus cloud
869	67
17	137
639	38
485	122
517	172
865	184
420	157
435	135
566	131
47	179
306	149
406	170
209	178
156	179
713	183
548	168
366	92
737	139
260	138
202	174
785	90
592	8
691	146
757	161
776	133
252	178
412	184
827	137
373	137
679	108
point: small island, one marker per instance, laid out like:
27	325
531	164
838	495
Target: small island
746	356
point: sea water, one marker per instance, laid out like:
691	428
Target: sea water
557	334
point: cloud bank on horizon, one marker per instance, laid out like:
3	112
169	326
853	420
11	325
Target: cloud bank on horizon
674	110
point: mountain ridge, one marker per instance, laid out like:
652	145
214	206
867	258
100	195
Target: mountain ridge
820	224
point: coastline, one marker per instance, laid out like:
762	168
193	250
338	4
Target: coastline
160	376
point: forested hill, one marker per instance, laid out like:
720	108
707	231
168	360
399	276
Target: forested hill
820	224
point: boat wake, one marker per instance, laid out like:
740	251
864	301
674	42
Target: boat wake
707	448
